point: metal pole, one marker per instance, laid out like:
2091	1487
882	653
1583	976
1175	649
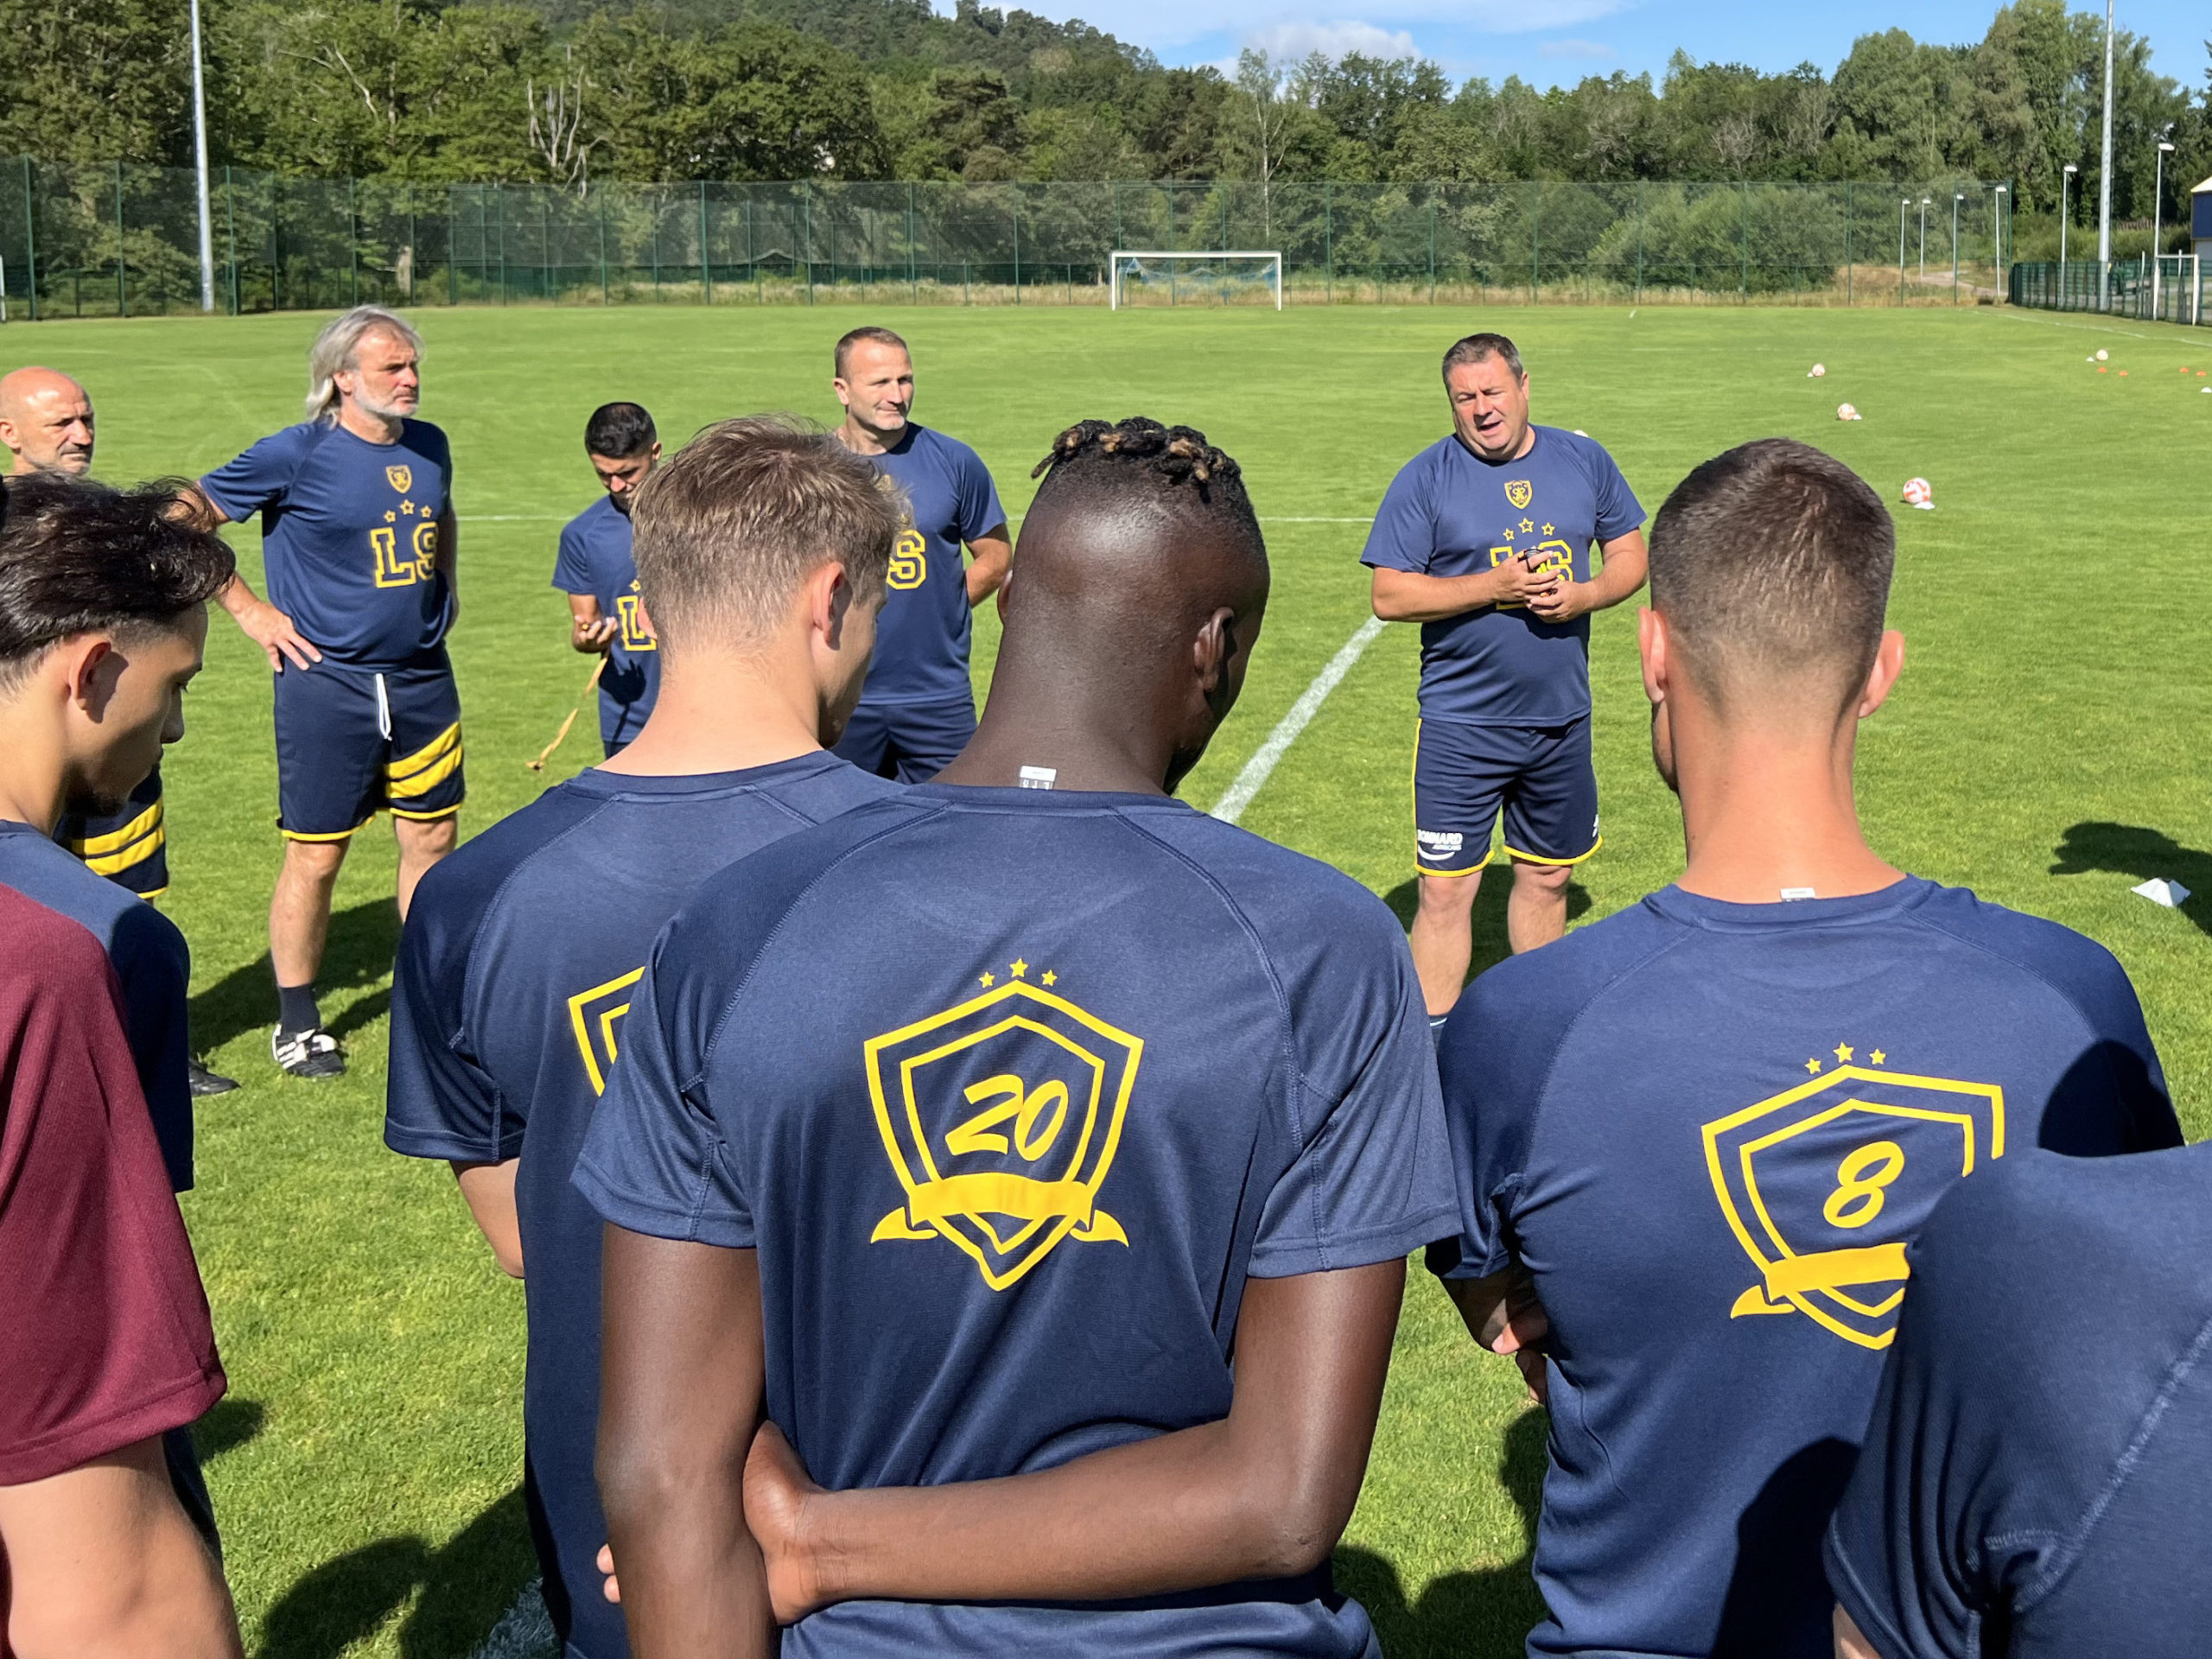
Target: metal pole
1904	208
2104	182
1328	247
200	166
1924	239
1535	242
1997	231
2157	204
30	240
1850	271
604	297
1432	247
231	231
1957	196
122	289
914	280
706	275
2065	178
1743	288
353	246
1017	244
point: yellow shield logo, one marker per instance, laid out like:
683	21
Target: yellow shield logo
1001	1117
399	477
594	1016
1823	1185
1520	491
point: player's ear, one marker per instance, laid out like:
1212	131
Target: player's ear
1651	643
1889	663
91	665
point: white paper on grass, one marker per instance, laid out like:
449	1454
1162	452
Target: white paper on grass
2160	891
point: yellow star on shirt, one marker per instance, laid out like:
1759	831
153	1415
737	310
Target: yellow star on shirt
1019	968
407	507
1052	978
987	979
1811	1065
392	518
1843	1051
1878	1056
1547	530
1527	524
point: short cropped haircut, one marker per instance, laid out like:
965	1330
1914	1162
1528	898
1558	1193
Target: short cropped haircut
1771	564
81	558
618	431
339	346
725	533
881	336
1480	348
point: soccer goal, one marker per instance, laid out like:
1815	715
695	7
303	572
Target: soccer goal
1166	276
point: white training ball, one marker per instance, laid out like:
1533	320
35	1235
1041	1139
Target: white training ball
1818	370
1846	412
2102	354
1917	492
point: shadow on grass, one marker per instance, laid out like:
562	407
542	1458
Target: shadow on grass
364	939
1489	917
2130	849
1485	1615
466	1586
228	1425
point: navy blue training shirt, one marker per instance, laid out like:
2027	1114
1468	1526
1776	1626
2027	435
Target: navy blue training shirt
349	534
518	965
595	559
922	634
2036	1476
1709	1131
1011	1090
151	960
1450	514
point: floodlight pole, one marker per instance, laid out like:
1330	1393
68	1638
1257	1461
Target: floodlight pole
2104	182
2158	201
1923	237
200	162
2065	177
1904	207
1957	196
1997	230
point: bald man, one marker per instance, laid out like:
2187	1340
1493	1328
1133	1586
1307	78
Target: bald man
1144	1086
46	420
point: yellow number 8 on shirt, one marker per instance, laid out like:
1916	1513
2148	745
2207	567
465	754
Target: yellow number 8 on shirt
909	565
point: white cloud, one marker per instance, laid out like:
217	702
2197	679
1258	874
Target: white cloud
1190	20
1289	42
1575	49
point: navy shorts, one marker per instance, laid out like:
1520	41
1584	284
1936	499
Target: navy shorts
909	741
129	847
1540	775
351	742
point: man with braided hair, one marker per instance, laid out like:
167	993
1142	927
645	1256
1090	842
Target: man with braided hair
1144	1089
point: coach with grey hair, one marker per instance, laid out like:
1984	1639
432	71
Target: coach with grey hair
358	543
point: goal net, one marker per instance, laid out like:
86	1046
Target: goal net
1156	277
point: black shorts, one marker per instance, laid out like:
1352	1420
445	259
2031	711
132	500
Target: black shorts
129	847
351	742
1540	776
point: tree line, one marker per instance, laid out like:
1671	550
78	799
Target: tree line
566	92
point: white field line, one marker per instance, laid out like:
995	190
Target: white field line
1230	806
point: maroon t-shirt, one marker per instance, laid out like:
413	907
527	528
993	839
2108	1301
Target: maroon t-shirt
104	1337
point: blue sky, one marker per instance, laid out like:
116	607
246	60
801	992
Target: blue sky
1547	42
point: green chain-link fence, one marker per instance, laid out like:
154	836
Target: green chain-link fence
2170	288
121	239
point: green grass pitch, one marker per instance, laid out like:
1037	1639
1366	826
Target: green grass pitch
2044	746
